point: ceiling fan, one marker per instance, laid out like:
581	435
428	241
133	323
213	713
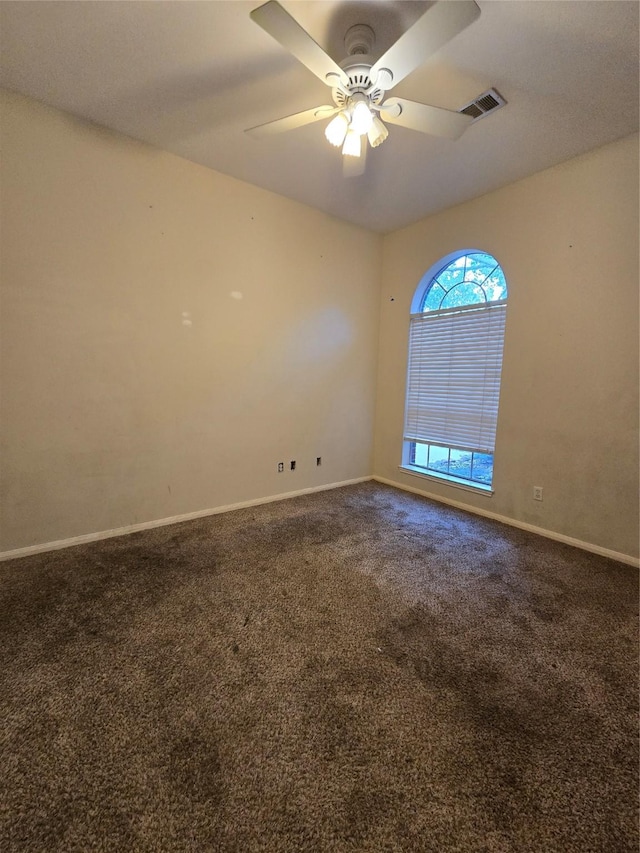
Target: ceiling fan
359	85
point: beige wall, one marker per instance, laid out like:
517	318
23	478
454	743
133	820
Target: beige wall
567	239
136	383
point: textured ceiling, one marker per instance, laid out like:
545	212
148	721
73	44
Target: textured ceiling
190	77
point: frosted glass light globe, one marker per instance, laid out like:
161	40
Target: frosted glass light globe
337	128
352	145
377	132
361	119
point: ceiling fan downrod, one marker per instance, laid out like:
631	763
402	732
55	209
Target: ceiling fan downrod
359	40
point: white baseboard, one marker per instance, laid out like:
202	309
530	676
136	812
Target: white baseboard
162	522
176	519
521	525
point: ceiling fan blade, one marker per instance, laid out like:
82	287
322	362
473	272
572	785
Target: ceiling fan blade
432	120
279	24
439	24
354	166
292	121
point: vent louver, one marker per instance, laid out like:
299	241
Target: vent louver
487	102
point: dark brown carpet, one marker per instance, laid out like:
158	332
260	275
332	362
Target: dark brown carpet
354	670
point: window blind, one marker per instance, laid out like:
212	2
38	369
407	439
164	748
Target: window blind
455	362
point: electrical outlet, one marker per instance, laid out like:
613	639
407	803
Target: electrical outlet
293	464
280	467
537	493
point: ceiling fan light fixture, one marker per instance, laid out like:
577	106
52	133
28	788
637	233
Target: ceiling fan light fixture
337	129
361	118
352	145
377	132
359	88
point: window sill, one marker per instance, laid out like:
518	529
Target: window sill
478	489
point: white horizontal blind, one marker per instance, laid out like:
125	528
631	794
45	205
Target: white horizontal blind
455	362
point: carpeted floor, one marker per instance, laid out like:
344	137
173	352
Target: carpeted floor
354	670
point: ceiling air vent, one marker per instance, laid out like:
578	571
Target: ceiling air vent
488	102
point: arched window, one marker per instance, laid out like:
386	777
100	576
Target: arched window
455	362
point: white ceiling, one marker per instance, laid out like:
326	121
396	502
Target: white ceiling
190	77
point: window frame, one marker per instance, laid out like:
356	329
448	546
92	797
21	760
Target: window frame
427	282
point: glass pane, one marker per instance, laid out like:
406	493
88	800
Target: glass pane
420	454
463	294
460	464
481	262
452	274
483	468
479	268
439	458
433	298
495	286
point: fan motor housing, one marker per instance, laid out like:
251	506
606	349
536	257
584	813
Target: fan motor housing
357	68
